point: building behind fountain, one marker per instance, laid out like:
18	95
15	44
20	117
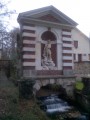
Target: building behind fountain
49	45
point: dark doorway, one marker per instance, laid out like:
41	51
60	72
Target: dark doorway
79	57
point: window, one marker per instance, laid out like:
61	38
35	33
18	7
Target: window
76	44
79	57
84	54
89	56
74	56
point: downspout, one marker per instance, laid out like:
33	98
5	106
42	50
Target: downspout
89	45
89	51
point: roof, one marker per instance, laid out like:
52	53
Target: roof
51	10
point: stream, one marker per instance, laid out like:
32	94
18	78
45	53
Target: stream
59	109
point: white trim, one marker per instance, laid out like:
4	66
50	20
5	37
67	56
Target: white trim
29	42
76	57
59	56
67	64
67	51
28	49
59	42
66	39
28	63
66	33
28	34
38	56
29	28
29	56
67	58
67	45
46	23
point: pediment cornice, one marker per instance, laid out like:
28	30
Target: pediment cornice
44	14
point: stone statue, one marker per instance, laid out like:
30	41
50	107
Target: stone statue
47	50
47	62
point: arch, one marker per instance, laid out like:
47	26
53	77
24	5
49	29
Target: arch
53	87
44	30
48	35
41	43
56	34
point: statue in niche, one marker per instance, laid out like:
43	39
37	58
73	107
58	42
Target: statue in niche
47	51
47	62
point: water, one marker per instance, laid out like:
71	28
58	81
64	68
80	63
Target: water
53	105
57	108
82	117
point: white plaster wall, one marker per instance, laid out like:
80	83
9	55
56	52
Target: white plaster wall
85	57
83	42
58	34
39	31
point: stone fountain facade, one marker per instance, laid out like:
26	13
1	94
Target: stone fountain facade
46	48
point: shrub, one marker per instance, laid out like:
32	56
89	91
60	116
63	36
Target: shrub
26	88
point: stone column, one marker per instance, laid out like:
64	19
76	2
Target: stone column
59	54
38	55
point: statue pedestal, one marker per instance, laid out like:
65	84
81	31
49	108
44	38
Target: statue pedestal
48	64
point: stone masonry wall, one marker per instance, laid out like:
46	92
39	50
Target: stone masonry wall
82	68
67	82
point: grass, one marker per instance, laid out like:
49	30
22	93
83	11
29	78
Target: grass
13	108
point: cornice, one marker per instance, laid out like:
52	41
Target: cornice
46	10
23	19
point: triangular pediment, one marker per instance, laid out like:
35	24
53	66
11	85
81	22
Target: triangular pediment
50	14
50	18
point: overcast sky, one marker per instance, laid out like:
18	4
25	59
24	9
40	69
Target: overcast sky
78	10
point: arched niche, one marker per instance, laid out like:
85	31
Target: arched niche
48	35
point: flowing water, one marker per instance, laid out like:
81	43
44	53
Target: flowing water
54	106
